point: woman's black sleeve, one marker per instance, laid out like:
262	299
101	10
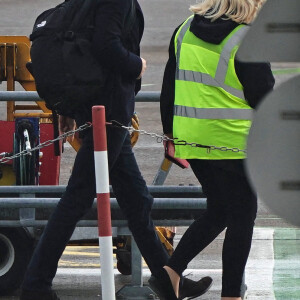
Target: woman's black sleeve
167	96
257	80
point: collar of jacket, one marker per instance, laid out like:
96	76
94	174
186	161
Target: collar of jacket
212	32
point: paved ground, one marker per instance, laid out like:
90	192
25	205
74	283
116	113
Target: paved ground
273	268
272	271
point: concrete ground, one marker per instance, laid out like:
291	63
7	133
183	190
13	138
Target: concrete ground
273	268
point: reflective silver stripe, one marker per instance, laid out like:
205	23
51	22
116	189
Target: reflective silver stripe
226	53
180	36
207	80
213	113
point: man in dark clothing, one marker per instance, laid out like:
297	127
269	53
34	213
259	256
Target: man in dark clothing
116	47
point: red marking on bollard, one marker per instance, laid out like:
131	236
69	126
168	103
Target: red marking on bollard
104	215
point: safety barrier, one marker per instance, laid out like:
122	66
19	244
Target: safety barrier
173	205
31	206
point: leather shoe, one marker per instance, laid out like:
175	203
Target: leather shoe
38	295
191	289
162	286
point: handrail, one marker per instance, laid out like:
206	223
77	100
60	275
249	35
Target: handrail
159	203
93	223
163	191
173	205
18	96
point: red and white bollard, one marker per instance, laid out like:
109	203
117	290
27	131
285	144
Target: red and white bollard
103	203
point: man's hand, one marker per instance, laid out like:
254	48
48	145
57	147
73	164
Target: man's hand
144	66
66	124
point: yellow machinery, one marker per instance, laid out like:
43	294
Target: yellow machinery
14	54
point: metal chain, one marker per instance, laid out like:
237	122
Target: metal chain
161	138
45	144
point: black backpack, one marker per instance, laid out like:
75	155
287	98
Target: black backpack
65	71
67	75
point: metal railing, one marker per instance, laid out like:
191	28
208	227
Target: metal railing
31	206
33	96
173	206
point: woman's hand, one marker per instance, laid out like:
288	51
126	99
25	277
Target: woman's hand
66	124
169	135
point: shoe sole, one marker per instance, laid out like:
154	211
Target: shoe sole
245	296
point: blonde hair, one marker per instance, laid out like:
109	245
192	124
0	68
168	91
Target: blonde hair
240	11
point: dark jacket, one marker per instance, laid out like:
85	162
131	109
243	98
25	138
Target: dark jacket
116	45
256	78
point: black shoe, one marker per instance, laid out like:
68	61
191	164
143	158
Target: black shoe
162	286
38	295
191	289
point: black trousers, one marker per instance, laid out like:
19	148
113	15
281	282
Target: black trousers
231	204
132	195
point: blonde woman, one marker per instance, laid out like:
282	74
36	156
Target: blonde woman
207	98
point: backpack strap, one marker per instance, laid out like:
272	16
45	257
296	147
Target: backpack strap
85	7
74	7
56	144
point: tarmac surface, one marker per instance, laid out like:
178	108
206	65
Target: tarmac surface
273	268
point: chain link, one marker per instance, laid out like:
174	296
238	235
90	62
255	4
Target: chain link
45	144
161	138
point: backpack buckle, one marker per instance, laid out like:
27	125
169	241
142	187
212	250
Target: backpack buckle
69	35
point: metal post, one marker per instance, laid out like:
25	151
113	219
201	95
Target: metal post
10	69
162	172
27	214
103	203
136	290
136	266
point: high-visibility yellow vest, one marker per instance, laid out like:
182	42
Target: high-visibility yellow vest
209	107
